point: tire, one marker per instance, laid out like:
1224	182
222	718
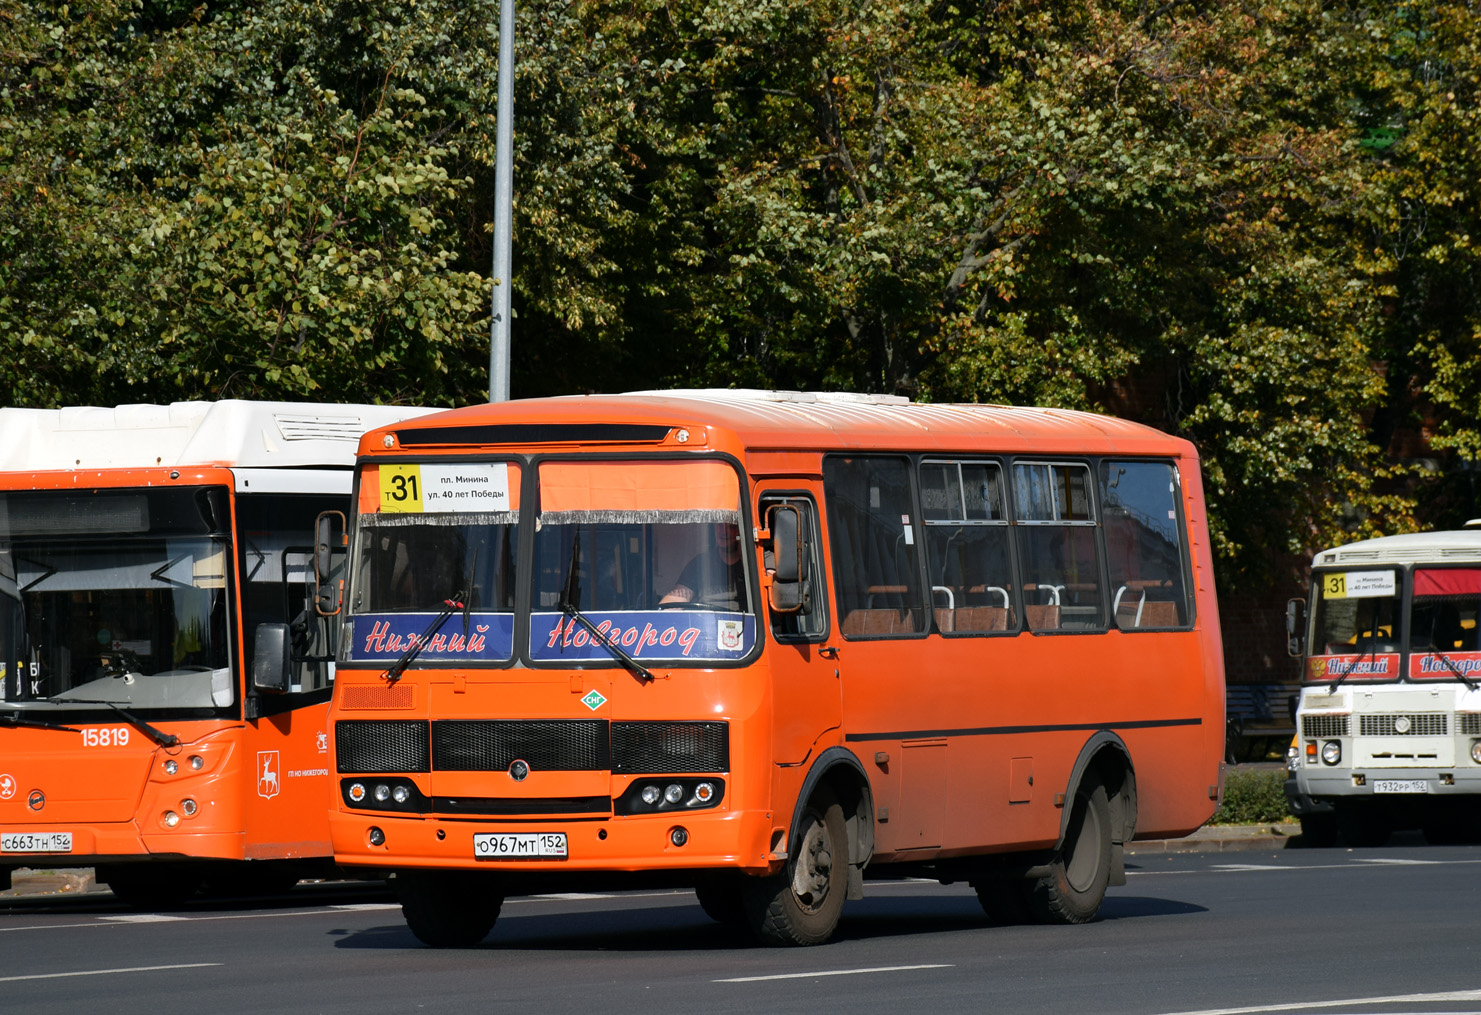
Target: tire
150	885
1361	824
1005	901
1319	831
1076	885
723	900
449	909
801	905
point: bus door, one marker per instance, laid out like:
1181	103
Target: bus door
806	697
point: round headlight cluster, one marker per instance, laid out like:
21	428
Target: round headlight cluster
682	793
391	795
1476	751
1331	752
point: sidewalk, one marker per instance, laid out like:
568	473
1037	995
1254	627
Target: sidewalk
27	883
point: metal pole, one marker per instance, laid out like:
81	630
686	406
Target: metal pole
503	209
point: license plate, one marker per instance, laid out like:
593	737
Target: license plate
1400	786
36	842
520	846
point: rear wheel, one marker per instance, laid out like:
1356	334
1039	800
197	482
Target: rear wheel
1004	900
449	909
1075	886
801	905
150	885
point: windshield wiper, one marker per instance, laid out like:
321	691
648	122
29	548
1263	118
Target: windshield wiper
449	606
154	733
571	595
1450	664
14	719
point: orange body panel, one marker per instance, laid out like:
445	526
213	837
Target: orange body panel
261	787
968	743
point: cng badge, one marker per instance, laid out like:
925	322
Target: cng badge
594	699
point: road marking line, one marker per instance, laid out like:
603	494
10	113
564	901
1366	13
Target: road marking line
833	972
1394	860
1453	995
143	918
108	972
569	896
358	907
1253	867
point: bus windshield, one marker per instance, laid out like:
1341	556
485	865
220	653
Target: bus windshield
432	538
123	595
651	554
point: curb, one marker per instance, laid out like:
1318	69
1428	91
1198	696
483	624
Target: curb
1223	839
28	883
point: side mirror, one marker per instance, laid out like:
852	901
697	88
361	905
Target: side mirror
272	659
788	564
1296	627
327	598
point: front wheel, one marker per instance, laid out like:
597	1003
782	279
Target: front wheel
1076	885
449	909
801	905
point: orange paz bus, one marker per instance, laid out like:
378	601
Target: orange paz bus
762	643
152	558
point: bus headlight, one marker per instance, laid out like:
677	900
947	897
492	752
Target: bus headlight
646	796
1331	752
1476	751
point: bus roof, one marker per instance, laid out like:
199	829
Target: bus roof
781	420
1444	547
231	432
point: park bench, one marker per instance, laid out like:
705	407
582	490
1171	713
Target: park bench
1260	721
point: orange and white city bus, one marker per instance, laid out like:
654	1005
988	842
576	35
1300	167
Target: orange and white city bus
759	642
150	556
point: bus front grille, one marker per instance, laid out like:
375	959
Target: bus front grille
366	746
1324	725
1399	724
546	745
666	748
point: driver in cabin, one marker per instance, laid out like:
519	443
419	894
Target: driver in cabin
715	575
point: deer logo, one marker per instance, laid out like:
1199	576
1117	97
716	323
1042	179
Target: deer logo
267	774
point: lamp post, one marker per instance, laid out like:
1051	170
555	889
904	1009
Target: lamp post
503	210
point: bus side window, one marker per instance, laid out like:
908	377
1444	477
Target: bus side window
811	623
875	547
1144	545
966	533
1057	546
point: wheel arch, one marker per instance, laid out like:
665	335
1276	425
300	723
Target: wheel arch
1106	758
841	771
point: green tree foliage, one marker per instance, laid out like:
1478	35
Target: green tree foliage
1250	224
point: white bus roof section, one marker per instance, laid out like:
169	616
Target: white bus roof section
232	433
1455	546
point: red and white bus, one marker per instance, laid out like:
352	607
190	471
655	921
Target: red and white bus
150	557
764	643
1389	722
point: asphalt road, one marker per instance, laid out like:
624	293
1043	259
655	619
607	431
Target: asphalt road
1384	931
